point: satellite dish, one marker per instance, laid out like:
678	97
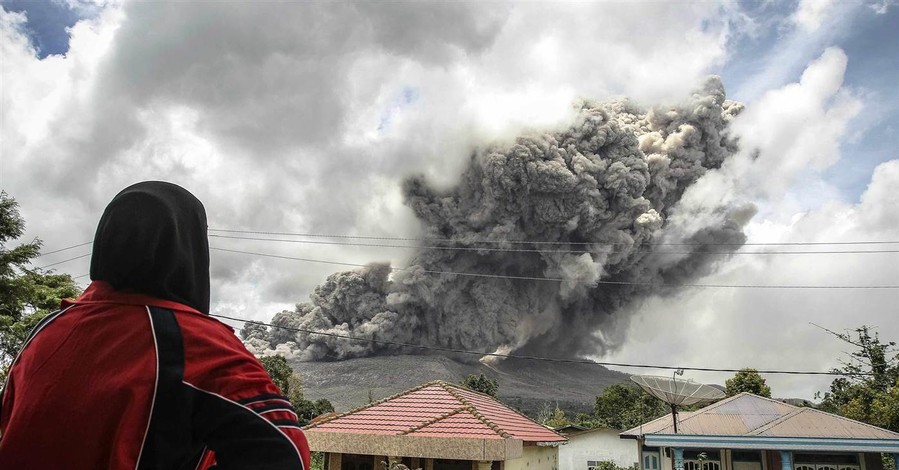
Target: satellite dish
676	391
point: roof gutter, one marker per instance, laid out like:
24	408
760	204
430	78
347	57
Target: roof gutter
773	443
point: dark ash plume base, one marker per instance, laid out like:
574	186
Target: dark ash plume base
604	189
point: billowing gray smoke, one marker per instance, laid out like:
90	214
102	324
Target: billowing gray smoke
602	190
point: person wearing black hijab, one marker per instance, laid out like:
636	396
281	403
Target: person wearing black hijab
134	374
152	239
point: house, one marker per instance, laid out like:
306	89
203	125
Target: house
587	447
748	432
435	426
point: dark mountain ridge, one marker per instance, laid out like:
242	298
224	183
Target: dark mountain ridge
527	385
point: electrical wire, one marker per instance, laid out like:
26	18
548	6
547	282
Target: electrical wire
551	279
531	250
64	261
64	249
525	242
519	356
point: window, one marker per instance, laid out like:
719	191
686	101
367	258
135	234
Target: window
651	460
826	462
702	460
592	464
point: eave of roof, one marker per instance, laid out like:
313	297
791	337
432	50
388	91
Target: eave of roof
749	421
773	443
441	410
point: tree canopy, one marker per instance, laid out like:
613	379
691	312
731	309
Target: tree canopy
291	385
868	388
553	417
622	406
280	372
747	380
27	294
481	383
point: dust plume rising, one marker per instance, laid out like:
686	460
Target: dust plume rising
587	205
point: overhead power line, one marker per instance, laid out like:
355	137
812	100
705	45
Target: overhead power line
64	249
64	261
551	279
534	250
528	242
519	242
519	356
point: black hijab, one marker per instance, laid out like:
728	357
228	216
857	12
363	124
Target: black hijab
152	239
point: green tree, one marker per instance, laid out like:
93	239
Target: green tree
747	380
481	383
868	388
610	465
307	410
27	294
317	461
557	419
586	420
622	406
291	385
280	372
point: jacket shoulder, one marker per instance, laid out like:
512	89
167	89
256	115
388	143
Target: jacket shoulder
216	360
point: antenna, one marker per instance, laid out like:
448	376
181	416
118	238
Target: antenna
674	391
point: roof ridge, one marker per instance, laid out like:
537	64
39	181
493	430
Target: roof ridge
815	410
434	420
474	411
726	400
378	402
505	406
711	407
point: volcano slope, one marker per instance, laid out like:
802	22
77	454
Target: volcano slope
526	385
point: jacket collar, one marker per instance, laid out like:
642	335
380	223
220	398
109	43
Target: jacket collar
100	292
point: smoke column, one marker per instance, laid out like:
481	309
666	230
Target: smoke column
604	189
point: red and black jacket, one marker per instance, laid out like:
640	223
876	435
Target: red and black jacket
119	380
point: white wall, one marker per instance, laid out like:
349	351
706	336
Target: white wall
599	445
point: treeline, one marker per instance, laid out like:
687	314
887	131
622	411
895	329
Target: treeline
866	389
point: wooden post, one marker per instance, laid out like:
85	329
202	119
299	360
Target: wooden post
335	461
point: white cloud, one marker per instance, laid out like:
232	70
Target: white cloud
270	112
790	133
770	329
787	138
811	13
798	127
881	7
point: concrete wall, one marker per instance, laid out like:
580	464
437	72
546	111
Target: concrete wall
414	446
535	458
597	445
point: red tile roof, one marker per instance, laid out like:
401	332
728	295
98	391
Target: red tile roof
439	409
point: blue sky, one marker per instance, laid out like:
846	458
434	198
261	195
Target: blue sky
873	51
868	39
47	23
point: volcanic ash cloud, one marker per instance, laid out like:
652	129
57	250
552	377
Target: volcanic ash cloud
601	191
